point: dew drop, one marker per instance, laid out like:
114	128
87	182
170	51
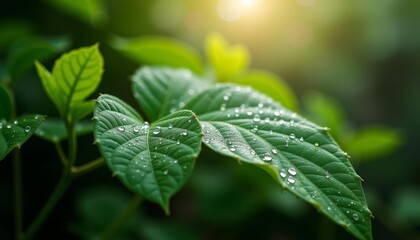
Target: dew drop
9	126
260	105
274	151
257	118
226	97
170	126
232	149
301	139
316	144
267	157
291	180
355	217
15	122
157	130
252	152
184	133
276	114
178	142
292	136
283	173
249	113
121	129
292	171
191	92
223	107
136	129
165	172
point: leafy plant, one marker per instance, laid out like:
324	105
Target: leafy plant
186	112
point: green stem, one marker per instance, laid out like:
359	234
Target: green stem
17	168
85	168
61	154
72	146
116	226
49	206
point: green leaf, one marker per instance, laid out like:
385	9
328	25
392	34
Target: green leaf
5	104
373	142
246	125
271	85
75	76
90	11
54	130
160	91
155	50
25	51
154	161
15	134
226	61
326	111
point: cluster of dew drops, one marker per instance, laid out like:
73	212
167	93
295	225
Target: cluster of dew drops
144	129
27	128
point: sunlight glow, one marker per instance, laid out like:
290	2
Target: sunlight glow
232	10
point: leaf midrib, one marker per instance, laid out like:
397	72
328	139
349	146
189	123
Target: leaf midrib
76	81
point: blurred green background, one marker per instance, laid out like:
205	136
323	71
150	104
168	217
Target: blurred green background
353	66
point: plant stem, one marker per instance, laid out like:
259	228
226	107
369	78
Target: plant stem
17	172
49	206
61	154
85	168
72	146
116	226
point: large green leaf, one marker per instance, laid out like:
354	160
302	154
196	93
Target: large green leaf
246	125
16	133
154	160
160	51
54	130
75	76
160	91
5	104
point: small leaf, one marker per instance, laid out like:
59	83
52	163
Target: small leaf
5	104
16	133
160	91
153	161
75	76
54	130
246	125
271	85
155	50
372	142
226	61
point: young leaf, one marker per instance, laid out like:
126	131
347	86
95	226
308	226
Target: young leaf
15	134
54	130
5	104
271	85
160	91
227	61
160	51
75	76
153	161
301	156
